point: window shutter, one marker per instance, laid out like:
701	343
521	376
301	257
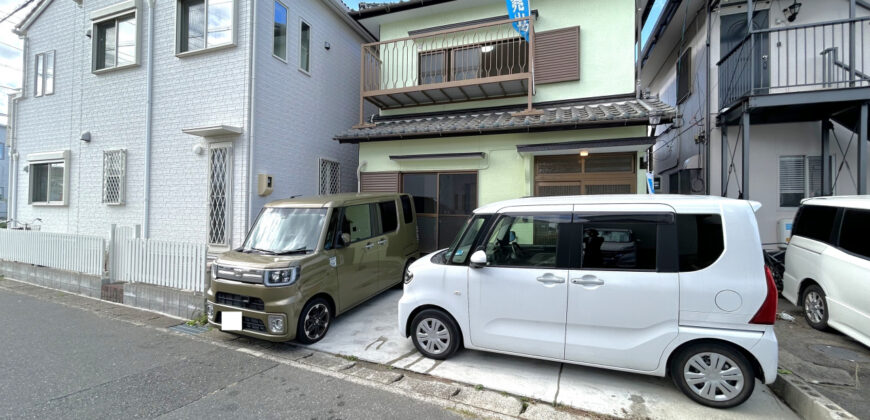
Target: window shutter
684	76
557	55
792	180
379	182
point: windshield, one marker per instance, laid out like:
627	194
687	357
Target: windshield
285	230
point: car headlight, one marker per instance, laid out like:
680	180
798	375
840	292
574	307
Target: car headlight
408	276
282	277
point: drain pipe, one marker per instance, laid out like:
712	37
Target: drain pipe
252	68
149	81
11	205
707	127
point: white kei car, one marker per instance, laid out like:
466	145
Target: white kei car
827	264
537	277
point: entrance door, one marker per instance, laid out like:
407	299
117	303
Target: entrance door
444	201
733	32
600	173
623	300
517	302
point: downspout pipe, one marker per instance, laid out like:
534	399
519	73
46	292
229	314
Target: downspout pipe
252	72
149	89
707	127
12	180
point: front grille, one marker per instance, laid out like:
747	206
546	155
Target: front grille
253	324
240	301
247	275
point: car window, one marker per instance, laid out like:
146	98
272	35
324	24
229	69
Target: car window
525	241
389	216
329	241
699	239
815	222
853	233
461	248
407	211
624	246
357	222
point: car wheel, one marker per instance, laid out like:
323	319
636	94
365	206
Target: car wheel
714	375
815	307
314	321
434	334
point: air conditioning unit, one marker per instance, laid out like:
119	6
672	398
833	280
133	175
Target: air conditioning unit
783	232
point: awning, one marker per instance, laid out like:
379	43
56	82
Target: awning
213	130
612	112
625	144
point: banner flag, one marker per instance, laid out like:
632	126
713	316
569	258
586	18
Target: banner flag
519	9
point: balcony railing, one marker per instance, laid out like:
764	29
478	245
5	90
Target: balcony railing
799	58
482	61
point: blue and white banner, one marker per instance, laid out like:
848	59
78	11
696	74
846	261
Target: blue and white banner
519	9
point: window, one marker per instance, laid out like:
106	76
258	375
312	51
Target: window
114	175
443	201
460	250
815	222
432	67
475	61
853	237
279	33
304	47
49	179
684	76
219	193
700	240
115	42
618	245
525	241
407	211
357	222
389	216
204	24
329	180
44	80
800	177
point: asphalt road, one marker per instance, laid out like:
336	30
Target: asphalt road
62	362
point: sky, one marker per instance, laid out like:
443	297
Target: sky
654	14
354	4
10	53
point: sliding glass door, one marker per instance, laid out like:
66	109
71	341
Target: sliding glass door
443	202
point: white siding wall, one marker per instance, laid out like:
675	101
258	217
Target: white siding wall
4	173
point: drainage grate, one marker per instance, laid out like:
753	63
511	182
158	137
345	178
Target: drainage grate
189	329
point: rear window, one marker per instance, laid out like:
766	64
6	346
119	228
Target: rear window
407	212
853	234
389	216
700	240
815	222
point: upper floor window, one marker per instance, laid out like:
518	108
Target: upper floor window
684	76
304	44
204	24
497	58
279	33
115	42
44	80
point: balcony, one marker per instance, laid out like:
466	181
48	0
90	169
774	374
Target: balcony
830	57
475	62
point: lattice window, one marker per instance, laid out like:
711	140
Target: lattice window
219	193
114	176
329	180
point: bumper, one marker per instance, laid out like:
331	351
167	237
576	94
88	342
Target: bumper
284	301
766	351
406	306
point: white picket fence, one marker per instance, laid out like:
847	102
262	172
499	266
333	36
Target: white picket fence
180	265
71	252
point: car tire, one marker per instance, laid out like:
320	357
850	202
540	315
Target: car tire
713	374
435	334
815	306
314	321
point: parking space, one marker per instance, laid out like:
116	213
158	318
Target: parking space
369	333
834	364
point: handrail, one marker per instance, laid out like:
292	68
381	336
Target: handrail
448	31
811	25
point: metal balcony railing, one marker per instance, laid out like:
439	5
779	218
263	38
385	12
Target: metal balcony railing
481	61
798	58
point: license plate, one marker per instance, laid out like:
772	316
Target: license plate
231	321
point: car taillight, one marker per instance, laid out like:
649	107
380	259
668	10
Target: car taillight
767	313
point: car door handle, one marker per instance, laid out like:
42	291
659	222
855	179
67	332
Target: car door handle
369	245
588	281
382	241
551	279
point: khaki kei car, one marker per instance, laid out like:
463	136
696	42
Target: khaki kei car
307	260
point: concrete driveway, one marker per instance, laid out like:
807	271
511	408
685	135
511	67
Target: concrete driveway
369	333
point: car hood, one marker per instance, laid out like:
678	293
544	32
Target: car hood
254	260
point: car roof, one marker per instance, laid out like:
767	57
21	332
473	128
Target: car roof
680	203
851	201
332	200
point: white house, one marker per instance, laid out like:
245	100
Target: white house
182	116
784	95
4	172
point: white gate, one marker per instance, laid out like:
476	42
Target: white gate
181	265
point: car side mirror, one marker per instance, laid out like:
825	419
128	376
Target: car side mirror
478	259
345	238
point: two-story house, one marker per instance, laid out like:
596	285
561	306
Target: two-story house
772	99
182	116
469	110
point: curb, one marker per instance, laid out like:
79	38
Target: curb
806	401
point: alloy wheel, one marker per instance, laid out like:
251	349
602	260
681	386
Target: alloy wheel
713	376
433	335
814	307
316	321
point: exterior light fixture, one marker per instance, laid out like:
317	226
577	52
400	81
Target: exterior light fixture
326	45
86	137
584	153
791	12
487	48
